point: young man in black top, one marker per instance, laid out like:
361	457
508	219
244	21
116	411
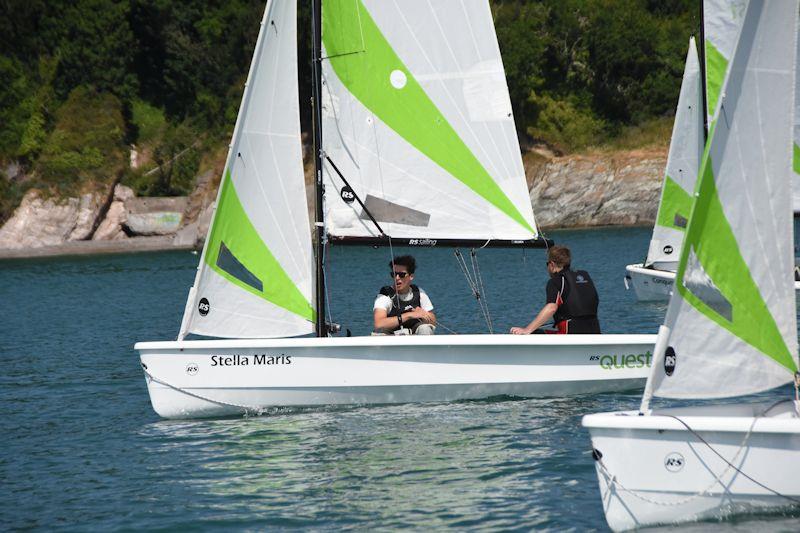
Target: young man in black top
571	298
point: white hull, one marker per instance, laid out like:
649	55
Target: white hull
652	470
652	285
191	379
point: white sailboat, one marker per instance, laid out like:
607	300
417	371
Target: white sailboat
731	325
416	145
653	279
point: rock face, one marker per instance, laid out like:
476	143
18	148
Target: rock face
599	190
154	216
620	188
46	222
110	229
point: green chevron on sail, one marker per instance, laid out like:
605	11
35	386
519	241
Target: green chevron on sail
712	239
364	60
676	205
716	66
235	241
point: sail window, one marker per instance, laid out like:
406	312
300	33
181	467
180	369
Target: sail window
386	211
679	221
700	284
228	262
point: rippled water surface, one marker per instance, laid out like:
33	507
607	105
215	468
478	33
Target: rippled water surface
83	450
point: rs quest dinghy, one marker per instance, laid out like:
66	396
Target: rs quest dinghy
700	90
415	144
730	329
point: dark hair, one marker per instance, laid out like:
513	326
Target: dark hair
407	261
559	255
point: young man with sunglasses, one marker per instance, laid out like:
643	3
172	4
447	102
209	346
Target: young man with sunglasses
571	298
403	305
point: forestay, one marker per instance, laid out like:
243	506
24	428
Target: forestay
255	277
685	151
732	318
418	121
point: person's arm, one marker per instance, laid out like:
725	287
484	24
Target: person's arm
426	316
426	309
382	321
541	319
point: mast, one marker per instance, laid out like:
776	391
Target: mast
319	226
703	70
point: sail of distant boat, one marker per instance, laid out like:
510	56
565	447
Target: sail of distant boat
418	133
733	318
255	278
683	161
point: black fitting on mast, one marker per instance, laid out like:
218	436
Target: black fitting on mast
704	89
319	228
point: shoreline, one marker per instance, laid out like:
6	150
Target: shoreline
166	243
79	248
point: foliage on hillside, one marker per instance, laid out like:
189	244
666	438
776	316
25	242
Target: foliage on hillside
83	80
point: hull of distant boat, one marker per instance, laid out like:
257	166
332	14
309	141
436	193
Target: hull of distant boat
652	470
652	285
191	379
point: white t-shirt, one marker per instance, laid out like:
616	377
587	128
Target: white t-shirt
385	303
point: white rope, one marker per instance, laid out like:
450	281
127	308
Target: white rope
612	480
247	409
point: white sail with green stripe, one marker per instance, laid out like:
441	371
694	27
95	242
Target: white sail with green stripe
417	120
722	20
255	277
685	151
796	144
732	319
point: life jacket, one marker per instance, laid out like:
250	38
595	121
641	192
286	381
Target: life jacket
400	306
581	301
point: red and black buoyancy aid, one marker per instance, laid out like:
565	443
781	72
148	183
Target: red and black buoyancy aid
400	306
579	306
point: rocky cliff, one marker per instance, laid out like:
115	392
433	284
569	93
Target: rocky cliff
619	188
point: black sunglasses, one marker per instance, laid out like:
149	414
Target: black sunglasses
401	274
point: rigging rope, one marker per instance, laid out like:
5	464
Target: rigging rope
612	480
475	284
248	410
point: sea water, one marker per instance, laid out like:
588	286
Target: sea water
81	448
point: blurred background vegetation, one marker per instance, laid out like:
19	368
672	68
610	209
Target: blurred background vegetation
83	83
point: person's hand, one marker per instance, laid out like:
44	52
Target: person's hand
520	331
421	314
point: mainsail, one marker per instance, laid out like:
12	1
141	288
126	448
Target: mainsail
255	277
732	320
418	134
685	151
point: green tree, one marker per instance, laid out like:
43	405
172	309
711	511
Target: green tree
87	143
